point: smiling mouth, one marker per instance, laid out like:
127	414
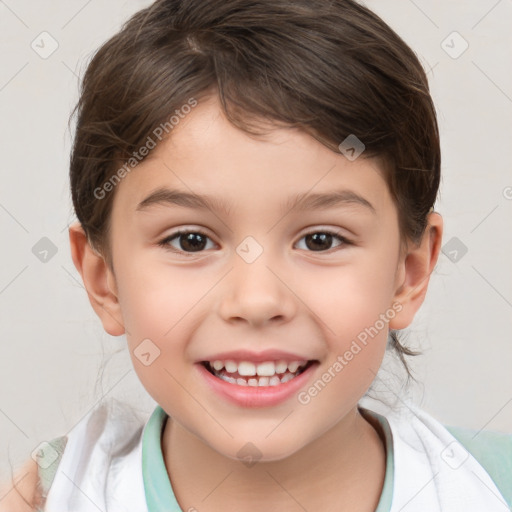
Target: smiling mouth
257	380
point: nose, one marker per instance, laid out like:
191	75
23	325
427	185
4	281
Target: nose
257	294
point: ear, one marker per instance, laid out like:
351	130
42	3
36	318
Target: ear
413	273
98	279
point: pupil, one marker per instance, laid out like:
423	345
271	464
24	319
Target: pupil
325	240
189	244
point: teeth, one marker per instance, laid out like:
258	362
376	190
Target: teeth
274	381
262	381
281	367
244	368
286	377
264	369
218	365
292	367
231	366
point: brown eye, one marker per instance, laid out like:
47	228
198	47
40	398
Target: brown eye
187	241
321	241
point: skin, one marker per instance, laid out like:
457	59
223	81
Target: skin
22	493
323	455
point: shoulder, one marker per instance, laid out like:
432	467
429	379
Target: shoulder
493	450
475	437
110	429
486	445
28	488
23	493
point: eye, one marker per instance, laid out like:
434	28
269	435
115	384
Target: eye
188	241
320	241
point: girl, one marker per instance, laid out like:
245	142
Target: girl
254	183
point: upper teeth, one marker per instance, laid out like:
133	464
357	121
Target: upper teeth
264	369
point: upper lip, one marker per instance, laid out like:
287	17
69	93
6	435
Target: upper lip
256	357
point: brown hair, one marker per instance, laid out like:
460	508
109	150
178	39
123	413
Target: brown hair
329	67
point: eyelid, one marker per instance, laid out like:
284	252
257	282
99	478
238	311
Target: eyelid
190	229
318	228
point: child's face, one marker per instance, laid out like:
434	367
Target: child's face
311	297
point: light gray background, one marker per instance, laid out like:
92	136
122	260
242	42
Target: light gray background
52	343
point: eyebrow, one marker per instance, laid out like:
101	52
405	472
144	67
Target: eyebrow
301	202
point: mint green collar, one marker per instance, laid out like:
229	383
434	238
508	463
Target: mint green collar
386	496
160	496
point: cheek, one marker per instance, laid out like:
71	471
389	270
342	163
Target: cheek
157	306
156	299
350	298
354	308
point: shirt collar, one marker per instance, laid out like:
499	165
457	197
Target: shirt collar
157	486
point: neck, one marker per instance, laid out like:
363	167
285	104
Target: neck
341	470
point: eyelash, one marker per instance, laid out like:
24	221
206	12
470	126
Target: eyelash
165	242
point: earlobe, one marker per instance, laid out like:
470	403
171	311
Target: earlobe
414	272
98	280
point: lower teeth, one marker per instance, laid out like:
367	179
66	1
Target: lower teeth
258	382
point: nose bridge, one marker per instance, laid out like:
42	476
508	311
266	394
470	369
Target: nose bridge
255	291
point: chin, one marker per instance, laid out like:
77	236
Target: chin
251	452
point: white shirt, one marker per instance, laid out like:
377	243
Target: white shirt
113	462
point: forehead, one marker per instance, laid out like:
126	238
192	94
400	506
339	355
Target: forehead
207	155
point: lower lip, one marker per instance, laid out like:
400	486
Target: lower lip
256	396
